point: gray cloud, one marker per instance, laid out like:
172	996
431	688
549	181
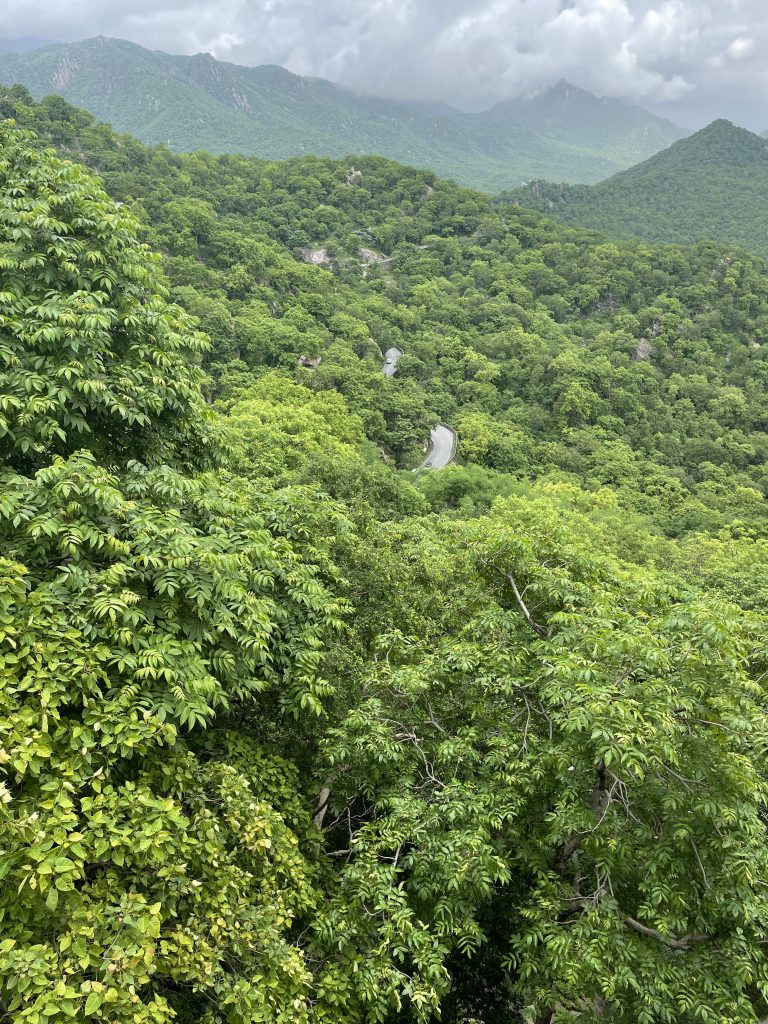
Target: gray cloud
690	59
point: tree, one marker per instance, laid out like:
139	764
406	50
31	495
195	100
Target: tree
90	351
154	629
583	741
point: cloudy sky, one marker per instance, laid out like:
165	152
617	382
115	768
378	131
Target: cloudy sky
692	60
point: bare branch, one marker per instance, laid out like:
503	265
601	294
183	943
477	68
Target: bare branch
701	866
322	805
684	943
539	630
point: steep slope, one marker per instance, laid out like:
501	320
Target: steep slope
198	102
712	185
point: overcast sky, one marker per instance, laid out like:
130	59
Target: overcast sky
692	60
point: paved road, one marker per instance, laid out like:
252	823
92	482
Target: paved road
443	438
442	448
390	361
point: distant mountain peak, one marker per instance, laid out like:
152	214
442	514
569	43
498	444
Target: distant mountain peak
563	87
721	139
722	124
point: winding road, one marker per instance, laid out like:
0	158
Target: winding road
442	448
443	438
390	361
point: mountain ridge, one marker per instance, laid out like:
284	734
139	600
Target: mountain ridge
198	102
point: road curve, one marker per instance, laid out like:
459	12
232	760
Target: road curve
390	360
443	439
442	448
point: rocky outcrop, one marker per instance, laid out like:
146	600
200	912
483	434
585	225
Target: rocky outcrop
317	257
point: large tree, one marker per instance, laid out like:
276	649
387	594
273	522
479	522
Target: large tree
149	868
568	763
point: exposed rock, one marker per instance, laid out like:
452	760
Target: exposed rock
369	256
353	174
63	73
241	102
643	351
310	361
318	257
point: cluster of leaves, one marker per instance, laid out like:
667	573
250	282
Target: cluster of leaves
577	739
91	353
147	867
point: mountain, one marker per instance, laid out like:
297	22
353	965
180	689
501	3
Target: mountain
622	133
198	102
711	185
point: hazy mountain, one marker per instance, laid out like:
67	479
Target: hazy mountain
621	133
200	103
713	184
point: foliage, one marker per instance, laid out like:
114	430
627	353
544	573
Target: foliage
551	351
291	733
594	764
142	858
90	351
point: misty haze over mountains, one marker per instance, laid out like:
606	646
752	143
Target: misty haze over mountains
197	102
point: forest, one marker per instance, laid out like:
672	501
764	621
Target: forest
292	733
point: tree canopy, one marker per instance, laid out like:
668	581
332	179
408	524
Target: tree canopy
289	732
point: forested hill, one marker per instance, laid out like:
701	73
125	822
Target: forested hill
192	103
711	185
292	734
546	348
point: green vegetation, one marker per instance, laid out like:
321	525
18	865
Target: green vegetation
191	103
291	734
712	185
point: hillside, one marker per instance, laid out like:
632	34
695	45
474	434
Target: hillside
711	185
197	102
293	734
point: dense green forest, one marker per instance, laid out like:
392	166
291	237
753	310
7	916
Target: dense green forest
291	733
712	185
196	102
